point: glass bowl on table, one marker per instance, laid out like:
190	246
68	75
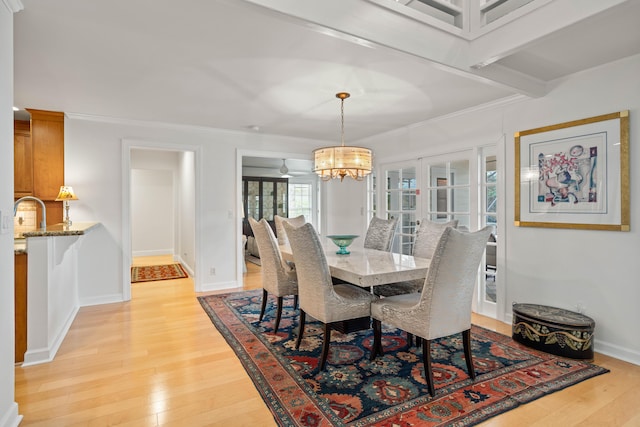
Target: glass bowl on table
342	241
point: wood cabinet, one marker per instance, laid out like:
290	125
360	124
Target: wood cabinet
47	136
20	306
22	159
264	198
39	160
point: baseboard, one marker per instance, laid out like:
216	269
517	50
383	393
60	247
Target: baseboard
152	252
178	258
104	299
617	352
11	418
44	355
219	286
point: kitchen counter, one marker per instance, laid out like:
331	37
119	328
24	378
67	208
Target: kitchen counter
75	229
54	276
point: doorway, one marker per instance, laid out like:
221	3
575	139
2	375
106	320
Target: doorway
159	205
302	194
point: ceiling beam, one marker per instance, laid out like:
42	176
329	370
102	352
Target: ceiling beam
368	24
539	23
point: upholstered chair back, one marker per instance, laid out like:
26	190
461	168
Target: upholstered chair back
427	236
445	302
277	277
380	234
281	232
315	287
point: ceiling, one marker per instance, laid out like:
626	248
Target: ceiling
274	66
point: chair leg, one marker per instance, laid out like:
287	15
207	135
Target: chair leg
295	302
278	315
410	339
300	328
325	345
426	361
376	348
466	342
265	296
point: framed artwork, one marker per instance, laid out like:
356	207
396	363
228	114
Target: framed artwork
574	174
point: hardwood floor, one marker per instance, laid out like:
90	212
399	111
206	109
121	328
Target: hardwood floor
158	360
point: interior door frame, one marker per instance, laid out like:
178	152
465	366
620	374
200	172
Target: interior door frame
240	153
127	146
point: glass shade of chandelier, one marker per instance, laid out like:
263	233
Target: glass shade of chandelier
340	161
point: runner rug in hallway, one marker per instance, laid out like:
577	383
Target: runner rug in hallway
157	272
389	391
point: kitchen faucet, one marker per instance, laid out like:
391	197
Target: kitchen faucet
43	224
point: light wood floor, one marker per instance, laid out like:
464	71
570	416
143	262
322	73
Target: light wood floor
158	360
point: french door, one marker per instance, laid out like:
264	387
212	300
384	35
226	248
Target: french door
400	201
462	186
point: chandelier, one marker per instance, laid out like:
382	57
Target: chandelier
340	161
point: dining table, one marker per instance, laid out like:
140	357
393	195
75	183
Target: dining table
369	267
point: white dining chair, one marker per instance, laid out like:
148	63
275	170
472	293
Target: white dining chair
278	278
281	233
443	308
380	234
424	245
319	297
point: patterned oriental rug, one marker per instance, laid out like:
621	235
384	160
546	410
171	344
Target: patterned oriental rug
389	391
157	272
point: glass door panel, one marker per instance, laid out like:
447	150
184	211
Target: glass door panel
489	217
401	202
448	190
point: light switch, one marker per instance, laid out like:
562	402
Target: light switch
5	222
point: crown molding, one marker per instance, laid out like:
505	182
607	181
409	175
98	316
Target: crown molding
179	127
13	5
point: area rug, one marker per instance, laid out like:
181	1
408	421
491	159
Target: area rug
157	272
389	391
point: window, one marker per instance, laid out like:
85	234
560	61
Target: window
301	200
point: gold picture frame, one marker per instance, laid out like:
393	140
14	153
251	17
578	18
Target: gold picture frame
574	174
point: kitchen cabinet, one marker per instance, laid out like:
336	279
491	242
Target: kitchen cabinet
22	159
264	198
20	306
39	160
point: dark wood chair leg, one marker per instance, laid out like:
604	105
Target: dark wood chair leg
466	342
278	314
410	339
426	360
300	328
325	345
295	302
376	347
265	296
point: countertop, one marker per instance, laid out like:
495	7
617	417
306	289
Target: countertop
75	229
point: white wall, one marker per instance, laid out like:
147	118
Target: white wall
8	407
93	162
598	269
153	202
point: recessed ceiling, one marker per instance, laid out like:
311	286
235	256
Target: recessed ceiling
236	65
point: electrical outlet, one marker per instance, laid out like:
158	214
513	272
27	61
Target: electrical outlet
212	271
